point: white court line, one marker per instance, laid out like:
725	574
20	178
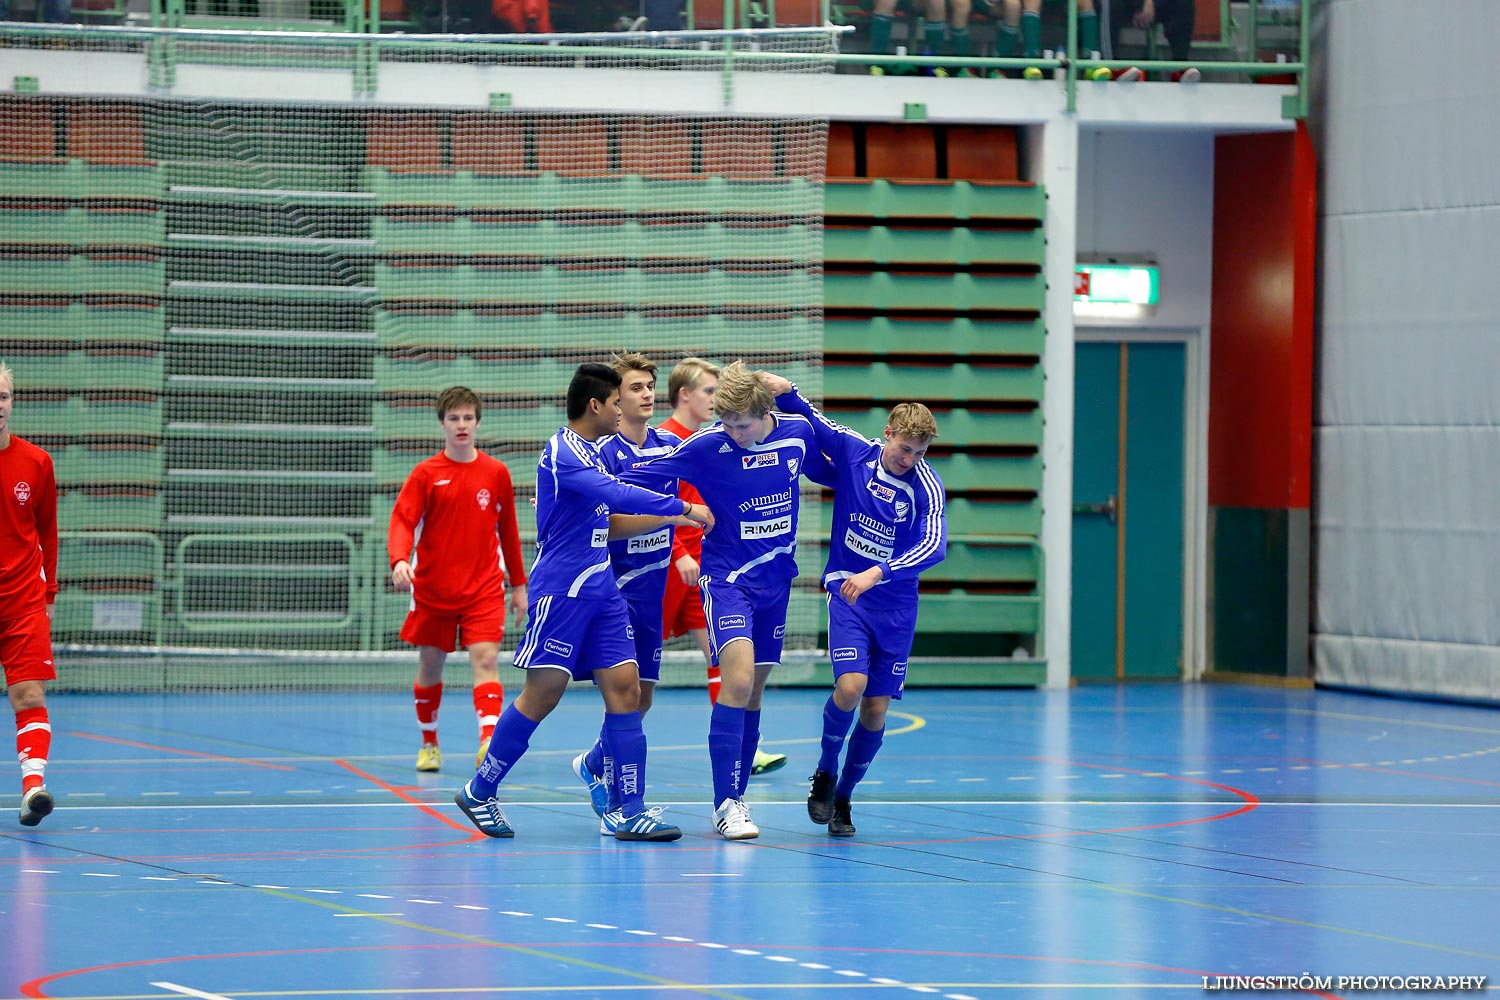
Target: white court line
188	991
863	804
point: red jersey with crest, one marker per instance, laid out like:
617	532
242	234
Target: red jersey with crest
461	519
28	529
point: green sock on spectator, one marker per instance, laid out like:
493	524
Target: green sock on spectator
880	34
932	37
1031	34
1007	37
958	41
1088	33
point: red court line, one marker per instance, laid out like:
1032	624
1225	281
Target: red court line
185	753
404	797
1251	803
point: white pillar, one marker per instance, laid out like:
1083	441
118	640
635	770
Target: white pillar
1057	168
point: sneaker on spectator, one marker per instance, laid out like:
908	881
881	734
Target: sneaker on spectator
842	824
35	805
429	758
732	820
1131	75
646	826
484	814
820	799
598	791
1189	75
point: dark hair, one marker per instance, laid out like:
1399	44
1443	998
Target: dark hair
452	399
590	381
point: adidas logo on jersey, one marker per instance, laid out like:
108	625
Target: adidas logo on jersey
725	448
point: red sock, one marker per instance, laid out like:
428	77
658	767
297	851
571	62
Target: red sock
713	683
488	698
428	699
33	744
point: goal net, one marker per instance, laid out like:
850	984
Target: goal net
233	288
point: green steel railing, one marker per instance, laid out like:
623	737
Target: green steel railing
723	49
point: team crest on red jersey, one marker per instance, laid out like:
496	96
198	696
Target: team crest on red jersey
483	496
22	491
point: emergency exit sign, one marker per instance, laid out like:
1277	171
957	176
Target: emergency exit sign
1122	284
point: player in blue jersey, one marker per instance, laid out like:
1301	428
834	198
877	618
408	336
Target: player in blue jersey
578	626
747	468
639	561
888	526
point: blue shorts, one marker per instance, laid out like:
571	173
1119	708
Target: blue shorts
645	620
735	611
872	641
577	634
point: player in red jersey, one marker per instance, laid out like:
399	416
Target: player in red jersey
458	510
691	389
28	589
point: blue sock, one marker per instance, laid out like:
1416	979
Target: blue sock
627	745
726	737
748	744
836	723
512	736
863	746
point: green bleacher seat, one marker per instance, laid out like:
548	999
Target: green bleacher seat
80	321
113	510
77	179
932	382
637	286
109	556
945	293
81	416
111	369
84	274
662	337
103	616
963	473
80	227
885	245
979	614
108	465
967	516
960	200
548	238
956	337
971	561
547	192
957	427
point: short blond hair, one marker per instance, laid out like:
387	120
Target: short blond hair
685	375
7	376
912	420
629	361
742	391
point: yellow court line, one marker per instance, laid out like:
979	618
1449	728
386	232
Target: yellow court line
656	982
1292	921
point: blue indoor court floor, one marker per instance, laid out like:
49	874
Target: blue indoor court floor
1104	842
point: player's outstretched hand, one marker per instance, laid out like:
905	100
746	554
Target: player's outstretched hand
778	385
702	515
515	599
689	570
857	584
401	575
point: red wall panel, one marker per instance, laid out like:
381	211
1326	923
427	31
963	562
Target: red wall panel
1260	410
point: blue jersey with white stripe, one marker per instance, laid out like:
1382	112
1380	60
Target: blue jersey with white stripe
640	563
895	522
753	493
574	497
